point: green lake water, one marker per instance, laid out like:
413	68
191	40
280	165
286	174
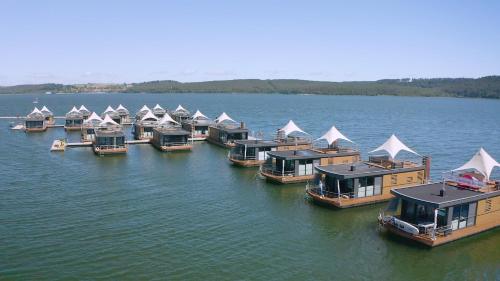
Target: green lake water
193	216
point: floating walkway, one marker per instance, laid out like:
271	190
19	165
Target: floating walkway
60	145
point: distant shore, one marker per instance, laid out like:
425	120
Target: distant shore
485	87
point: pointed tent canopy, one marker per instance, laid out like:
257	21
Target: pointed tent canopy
74	110
224	117
107	121
393	146
93	118
121	108
199	115
36	111
109	109
481	162
144	108
157	106
83	108
149	115
291	127
180	108
166	119
46	110
333	135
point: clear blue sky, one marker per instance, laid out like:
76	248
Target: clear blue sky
132	41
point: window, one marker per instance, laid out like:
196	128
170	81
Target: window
460	216
394	179
409	179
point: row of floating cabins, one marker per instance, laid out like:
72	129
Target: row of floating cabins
465	202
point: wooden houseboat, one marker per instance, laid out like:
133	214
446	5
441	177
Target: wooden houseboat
169	135
368	182
180	114
465	203
89	126
251	153
49	116
85	112
35	121
224	131
198	126
113	114
145	109
159	111
124	115
143	129
109	138
74	120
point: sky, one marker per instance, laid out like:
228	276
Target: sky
133	41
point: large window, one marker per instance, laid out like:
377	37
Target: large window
463	216
305	167
369	186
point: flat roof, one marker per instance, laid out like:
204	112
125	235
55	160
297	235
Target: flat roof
307	154
429	194
362	169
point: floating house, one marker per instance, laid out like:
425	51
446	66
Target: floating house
224	131
145	109
181	114
124	114
74	120
465	203
198	126
109	138
35	121
293	166
159	111
48	115
143	129
85	112
113	114
169	135
89	126
249	153
368	182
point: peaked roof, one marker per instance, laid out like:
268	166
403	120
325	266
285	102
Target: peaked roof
223	117
36	111
45	109
393	146
144	108
158	107
121	107
167	119
109	109
107	121
149	115
83	108
199	115
74	110
93	117
180	108
291	127
333	135
481	162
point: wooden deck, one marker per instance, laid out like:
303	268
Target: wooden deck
349	202
225	145
440	240
246	163
286	179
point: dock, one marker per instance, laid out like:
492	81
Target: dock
56	145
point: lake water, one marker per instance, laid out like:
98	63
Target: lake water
192	216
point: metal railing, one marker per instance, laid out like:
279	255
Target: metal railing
176	144
330	194
473	183
238	156
109	146
269	170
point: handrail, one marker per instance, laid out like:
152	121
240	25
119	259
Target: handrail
109	146
176	144
331	194
269	170
239	156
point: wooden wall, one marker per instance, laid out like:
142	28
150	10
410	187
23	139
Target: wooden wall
488	211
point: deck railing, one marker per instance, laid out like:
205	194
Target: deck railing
110	146
176	144
330	194
239	156
268	169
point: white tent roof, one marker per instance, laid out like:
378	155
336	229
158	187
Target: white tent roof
83	108
291	127
36	110
149	115
393	146
481	162
198	115
74	109
223	117
167	119
144	108
93	117
333	135
180	108
121	107
157	106
109	109
45	109
108	121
